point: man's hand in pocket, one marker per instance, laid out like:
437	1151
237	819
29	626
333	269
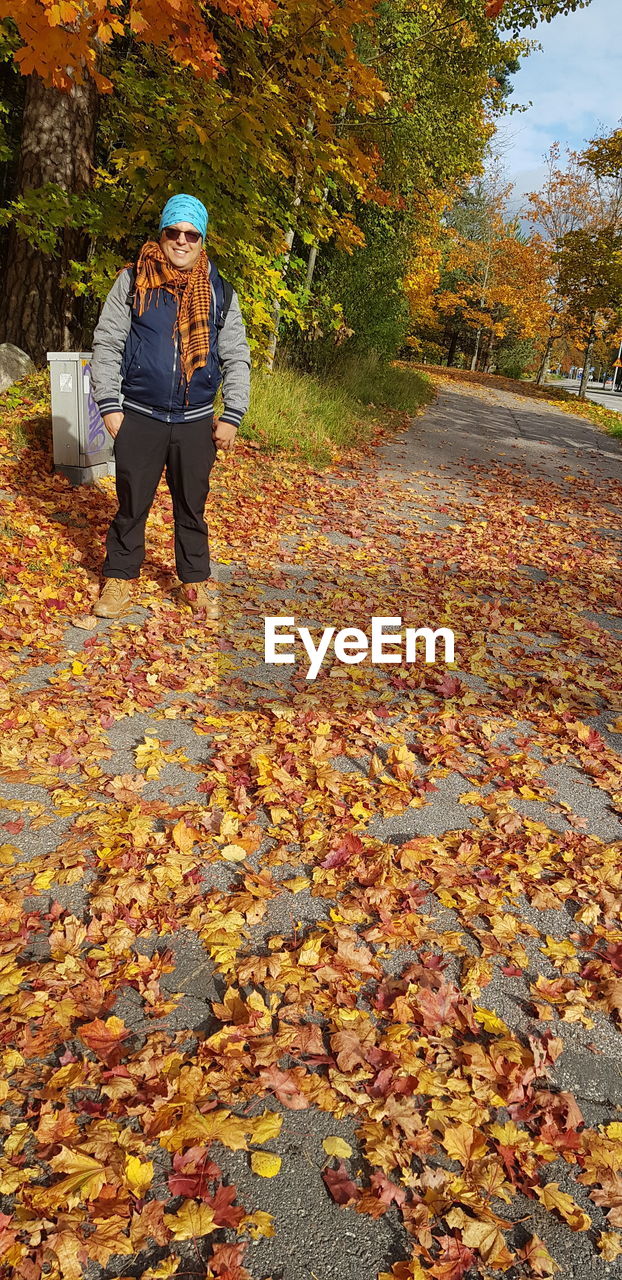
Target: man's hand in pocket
112	422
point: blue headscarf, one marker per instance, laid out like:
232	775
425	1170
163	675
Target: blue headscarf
184	208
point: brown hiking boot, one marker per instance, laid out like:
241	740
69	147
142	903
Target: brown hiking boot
114	599
201	599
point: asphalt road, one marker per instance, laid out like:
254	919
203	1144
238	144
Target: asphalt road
610	399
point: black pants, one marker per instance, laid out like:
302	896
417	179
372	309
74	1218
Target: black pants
143	447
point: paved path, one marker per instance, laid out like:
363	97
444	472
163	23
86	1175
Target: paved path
489	507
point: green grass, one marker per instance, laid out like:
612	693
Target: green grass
379	383
312	417
315	418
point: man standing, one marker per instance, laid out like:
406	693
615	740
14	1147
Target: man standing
169	333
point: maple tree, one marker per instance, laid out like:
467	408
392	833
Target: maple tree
59	50
486	280
590	255
287	118
577	213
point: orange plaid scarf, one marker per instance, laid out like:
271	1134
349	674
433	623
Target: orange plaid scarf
192	291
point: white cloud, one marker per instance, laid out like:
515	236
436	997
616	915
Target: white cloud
575	87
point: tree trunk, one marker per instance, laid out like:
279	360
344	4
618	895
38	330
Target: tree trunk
485	353
475	355
276	306
311	261
544	361
37	311
453	347
586	365
289	240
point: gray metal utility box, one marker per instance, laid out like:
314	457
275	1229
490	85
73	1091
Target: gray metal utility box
82	446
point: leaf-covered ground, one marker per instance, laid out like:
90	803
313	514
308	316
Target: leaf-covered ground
319	980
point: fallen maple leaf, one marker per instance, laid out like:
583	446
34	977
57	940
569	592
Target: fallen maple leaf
350	846
233	853
85	621
138	1175
464	1143
489	1242
609	1245
553	1198
191	1222
337	1147
183	836
340	1185
85	1177
106	1039
109	1237
266	1127
284	1087
226	1263
537	1257
449	686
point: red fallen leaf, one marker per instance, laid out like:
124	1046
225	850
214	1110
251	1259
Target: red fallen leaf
94	1108
449	686
67	1057
283	1085
14	827
613	951
226	1214
226	1262
453	1262
387	1191
348	1050
193	1170
7	1238
439	1008
349	846
573	1114
106	1039
340	1185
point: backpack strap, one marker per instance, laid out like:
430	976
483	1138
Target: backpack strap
133	268
228	294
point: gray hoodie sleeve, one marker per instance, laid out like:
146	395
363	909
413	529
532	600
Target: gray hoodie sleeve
109	341
235	361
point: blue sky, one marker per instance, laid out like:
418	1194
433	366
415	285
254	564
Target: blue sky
574	84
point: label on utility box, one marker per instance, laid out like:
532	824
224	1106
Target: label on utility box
65	382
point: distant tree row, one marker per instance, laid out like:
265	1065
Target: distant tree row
495	290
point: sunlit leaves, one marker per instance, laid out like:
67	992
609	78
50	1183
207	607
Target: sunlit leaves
191	1221
265	1163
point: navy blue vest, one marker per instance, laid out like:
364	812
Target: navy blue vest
151	376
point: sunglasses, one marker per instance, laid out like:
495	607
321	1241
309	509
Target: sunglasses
173	233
